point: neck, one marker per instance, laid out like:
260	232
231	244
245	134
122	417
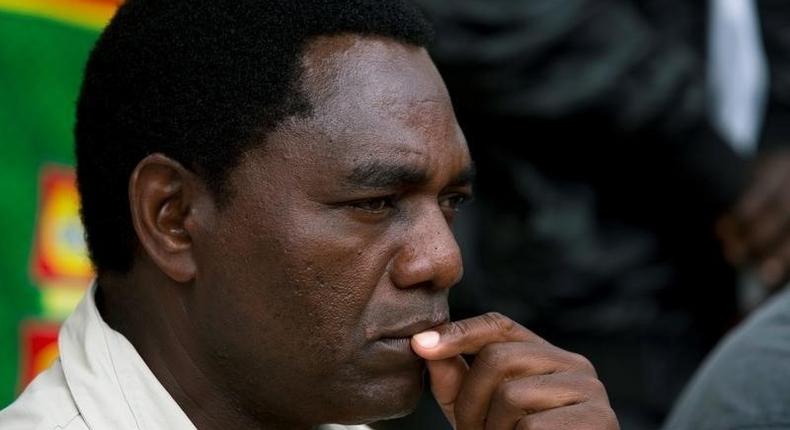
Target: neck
149	311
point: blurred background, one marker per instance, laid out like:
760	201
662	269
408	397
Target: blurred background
633	201
44	268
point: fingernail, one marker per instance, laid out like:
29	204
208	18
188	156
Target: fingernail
427	339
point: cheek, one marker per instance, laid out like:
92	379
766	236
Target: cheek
302	275
335	276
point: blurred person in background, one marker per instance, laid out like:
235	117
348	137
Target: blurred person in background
622	146
743	384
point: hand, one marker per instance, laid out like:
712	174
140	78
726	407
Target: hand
757	231
517	380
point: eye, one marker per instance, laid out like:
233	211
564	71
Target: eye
377	205
453	202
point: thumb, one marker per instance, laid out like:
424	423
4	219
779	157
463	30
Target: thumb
446	376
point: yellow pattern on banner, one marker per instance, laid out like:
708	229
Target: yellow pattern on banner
59	263
92	14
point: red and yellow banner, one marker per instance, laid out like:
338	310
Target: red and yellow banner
86	13
60	256
38	349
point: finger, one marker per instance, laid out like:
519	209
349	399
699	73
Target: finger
517	398
469	336
581	416
499	361
446	377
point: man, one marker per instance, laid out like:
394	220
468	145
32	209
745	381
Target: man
268	189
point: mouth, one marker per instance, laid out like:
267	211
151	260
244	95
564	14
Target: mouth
390	341
400	335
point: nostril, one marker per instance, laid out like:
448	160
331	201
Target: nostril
429	256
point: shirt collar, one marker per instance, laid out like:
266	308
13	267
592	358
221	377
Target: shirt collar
109	381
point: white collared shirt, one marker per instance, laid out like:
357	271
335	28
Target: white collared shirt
99	382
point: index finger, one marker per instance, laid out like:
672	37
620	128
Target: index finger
469	336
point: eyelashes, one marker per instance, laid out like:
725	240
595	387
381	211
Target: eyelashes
455	202
375	205
450	203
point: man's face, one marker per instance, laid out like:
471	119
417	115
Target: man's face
336	245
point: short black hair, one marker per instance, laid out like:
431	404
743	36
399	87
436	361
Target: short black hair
200	81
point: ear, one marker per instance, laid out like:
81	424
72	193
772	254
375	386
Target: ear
162	198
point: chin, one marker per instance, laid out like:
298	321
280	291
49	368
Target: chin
386	399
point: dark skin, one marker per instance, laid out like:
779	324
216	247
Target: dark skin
297	303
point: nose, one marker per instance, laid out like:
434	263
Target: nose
429	255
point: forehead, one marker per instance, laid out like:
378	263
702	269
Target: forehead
374	69
373	98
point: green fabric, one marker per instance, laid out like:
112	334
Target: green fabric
41	63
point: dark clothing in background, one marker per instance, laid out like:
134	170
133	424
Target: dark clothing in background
600	180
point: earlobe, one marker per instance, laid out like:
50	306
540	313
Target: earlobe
161	197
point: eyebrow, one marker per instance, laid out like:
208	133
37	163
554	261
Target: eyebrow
466	177
382	175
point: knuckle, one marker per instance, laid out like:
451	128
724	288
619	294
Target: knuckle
462	328
581	362
588	389
498	322
512	397
595	386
